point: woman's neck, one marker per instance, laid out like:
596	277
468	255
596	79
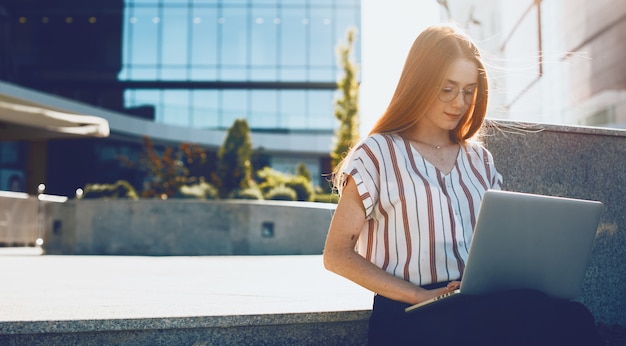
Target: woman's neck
436	139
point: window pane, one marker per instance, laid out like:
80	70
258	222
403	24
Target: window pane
9	152
347	18
325	74
203	73
175	36
127	28
264	74
322	49
233	73
173	2
264	109
263	36
144	33
292	109
205	109
175	109
293	33
139	97
204	38
234	106
234	40
321	114
143	73
294	2
173	72
297	74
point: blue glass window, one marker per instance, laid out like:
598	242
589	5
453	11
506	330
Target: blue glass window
212	45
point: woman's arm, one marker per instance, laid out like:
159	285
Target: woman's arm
340	257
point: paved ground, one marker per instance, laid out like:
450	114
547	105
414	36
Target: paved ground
35	287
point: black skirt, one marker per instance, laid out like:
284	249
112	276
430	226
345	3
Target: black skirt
520	317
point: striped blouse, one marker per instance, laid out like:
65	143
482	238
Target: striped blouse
419	220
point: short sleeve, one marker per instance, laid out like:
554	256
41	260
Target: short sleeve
495	176
363	166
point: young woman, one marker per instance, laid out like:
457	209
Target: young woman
410	194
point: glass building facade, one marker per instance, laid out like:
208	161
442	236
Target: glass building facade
185	63
211	61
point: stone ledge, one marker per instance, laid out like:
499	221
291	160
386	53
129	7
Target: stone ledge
328	328
82	326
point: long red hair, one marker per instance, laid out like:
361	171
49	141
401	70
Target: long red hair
426	66
425	69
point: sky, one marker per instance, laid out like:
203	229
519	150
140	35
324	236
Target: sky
388	29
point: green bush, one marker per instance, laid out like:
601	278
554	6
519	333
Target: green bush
249	193
302	186
233	169
269	178
303	171
201	190
281	193
119	189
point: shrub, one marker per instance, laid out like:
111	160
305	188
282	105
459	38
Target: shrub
233	165
248	193
281	193
119	189
302	170
347	105
302	186
269	178
201	190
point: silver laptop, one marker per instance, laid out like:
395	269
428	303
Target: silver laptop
526	241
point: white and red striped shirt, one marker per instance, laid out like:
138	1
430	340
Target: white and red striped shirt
419	220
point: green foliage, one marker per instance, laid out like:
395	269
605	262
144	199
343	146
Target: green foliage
249	193
302	186
201	190
302	170
268	179
347	105
233	166
259	159
281	193
119	189
169	169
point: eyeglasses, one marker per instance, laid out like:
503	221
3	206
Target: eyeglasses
471	95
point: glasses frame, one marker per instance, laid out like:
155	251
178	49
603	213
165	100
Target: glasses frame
470	98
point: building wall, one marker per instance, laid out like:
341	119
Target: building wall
179	73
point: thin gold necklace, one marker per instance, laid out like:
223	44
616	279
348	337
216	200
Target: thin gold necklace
438	146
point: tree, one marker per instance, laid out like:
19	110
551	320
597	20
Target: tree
347	105
166	171
233	165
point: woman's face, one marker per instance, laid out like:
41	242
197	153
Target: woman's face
462	80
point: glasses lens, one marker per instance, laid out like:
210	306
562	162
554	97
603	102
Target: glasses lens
448	93
471	96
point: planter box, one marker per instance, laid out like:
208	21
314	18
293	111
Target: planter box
187	227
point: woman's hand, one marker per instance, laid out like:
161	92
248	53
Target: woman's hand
423	295
453	285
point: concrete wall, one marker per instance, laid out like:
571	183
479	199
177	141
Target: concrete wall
576	162
18	219
187	227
